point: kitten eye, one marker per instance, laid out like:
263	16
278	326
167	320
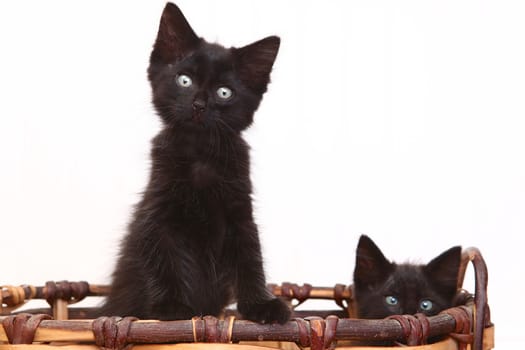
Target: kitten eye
391	300
224	93
426	305
184	81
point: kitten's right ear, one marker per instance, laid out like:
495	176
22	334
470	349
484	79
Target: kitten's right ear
444	269
255	61
175	38
371	266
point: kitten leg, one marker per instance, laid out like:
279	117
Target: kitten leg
254	300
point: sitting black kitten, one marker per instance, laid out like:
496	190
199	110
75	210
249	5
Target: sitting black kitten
382	288
192	246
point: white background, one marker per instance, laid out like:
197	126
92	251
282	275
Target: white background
403	120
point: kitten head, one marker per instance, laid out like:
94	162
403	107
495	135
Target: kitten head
197	84
383	288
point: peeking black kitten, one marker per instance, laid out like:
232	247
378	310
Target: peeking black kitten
382	288
192	246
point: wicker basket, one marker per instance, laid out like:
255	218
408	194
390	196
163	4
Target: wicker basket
71	328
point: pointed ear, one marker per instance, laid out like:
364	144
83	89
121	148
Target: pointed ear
254	62
443	270
175	38
371	266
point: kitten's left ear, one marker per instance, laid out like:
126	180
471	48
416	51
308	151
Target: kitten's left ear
444	269
371	266
175	37
254	62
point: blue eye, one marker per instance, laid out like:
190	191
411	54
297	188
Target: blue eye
184	81
224	93
391	300
426	305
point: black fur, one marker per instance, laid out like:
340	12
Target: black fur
376	278
192	246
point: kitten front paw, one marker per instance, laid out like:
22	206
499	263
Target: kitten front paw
268	311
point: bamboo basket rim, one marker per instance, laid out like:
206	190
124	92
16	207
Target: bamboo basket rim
466	324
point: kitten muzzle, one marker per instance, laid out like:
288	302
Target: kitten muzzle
199	106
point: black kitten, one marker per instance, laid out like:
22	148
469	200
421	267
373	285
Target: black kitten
382	288
192	246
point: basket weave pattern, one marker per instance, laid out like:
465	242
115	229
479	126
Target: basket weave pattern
63	325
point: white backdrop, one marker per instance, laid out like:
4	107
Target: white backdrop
402	120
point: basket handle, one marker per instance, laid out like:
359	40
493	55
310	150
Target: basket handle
482	314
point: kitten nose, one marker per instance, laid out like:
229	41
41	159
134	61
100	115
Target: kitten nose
199	105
